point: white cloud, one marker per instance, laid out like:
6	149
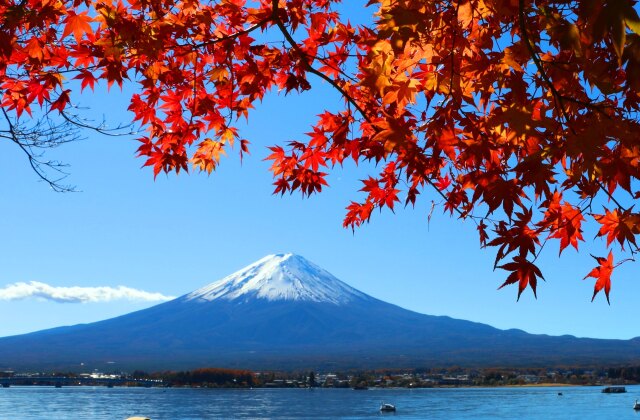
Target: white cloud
35	289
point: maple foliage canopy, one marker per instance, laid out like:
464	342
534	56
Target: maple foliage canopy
517	114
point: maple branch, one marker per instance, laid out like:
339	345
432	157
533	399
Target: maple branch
588	105
111	132
536	59
558	98
27	140
232	80
308	66
453	47
460	212
342	72
232	36
611	197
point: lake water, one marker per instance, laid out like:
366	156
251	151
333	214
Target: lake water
437	403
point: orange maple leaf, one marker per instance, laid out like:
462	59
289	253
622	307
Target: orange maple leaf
78	24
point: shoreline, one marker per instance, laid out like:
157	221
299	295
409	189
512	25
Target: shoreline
546	385
541	385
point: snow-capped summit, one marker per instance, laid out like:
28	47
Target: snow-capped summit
279	314
280	277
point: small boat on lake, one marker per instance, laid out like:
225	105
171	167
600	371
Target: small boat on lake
614	390
386	407
636	406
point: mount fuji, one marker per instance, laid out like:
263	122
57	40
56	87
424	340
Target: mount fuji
284	312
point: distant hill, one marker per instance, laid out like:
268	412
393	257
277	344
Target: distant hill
284	312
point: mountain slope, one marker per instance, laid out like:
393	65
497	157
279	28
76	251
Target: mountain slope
284	312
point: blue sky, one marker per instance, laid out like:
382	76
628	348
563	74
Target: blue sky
178	233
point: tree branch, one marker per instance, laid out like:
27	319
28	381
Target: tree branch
21	139
308	66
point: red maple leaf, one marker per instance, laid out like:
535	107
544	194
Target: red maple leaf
523	272
616	225
603	275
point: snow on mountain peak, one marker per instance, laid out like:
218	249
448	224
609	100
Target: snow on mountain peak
280	277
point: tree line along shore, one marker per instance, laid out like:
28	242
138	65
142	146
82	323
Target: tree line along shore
380	378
